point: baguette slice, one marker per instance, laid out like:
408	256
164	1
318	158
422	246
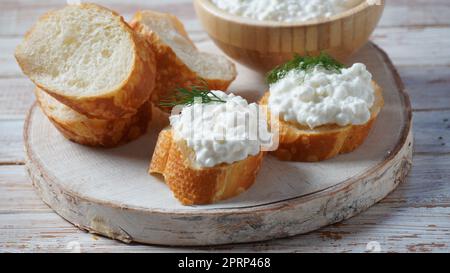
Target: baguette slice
93	132
194	186
300	143
179	63
88	58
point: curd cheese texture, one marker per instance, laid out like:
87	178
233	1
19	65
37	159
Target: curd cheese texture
286	10
319	97
221	132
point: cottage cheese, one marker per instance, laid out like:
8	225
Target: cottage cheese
319	97
221	132
286	10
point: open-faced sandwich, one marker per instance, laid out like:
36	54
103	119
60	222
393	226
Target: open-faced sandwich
213	147
324	108
179	63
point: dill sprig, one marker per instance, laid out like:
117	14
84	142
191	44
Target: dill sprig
304	63
187	96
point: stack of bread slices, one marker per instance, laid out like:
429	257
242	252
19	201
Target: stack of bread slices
97	78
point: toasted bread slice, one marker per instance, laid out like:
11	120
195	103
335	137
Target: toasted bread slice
193	185
89	58
93	132
300	143
179	63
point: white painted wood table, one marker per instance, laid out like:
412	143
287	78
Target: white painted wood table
414	218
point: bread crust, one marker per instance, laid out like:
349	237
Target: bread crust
121	102
172	71
302	144
96	132
196	186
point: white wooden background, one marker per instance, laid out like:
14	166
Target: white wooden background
415	218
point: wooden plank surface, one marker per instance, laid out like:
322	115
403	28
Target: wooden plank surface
415	218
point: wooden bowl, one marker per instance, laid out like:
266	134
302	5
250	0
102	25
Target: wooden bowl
262	45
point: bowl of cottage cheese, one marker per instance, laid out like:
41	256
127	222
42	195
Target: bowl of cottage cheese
262	34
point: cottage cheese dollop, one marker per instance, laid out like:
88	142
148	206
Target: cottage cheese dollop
221	132
319	97
286	10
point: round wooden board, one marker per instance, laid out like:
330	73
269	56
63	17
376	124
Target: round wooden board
109	192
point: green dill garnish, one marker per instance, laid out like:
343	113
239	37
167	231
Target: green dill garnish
188	96
304	63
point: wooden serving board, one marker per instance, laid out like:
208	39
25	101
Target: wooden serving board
109	192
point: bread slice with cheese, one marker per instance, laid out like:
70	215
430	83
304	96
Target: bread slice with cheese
300	143
194	185
90	59
179	63
93	132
